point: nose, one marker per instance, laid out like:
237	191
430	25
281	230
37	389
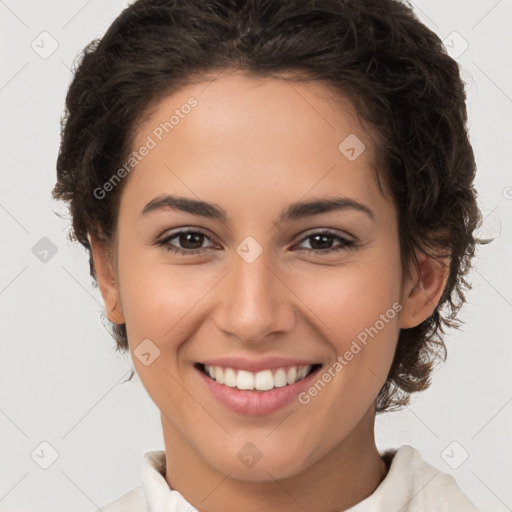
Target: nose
254	301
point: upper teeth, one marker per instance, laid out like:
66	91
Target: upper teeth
261	381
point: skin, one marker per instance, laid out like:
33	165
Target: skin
254	146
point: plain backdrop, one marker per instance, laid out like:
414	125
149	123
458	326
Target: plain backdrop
62	400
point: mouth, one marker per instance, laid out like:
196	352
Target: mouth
262	381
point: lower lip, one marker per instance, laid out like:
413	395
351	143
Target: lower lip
255	402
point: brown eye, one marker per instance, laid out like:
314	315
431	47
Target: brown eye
322	242
187	242
191	240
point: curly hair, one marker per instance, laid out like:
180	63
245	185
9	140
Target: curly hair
377	53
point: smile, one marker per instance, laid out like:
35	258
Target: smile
264	380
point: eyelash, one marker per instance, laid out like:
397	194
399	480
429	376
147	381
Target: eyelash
345	244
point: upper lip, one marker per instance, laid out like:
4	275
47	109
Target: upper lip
256	365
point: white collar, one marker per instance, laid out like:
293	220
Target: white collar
159	495
411	485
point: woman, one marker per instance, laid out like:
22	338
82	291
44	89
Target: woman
277	199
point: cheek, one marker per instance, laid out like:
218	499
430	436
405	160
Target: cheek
158	299
349	298
357	309
160	303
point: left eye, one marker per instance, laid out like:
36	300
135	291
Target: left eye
320	238
192	242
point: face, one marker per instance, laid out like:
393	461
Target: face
253	283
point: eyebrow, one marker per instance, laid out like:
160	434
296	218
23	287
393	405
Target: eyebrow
295	211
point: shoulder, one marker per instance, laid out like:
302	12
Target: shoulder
133	500
420	486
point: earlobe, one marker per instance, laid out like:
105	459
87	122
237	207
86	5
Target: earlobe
106	281
424	290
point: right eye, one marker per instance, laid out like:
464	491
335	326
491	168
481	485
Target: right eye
186	238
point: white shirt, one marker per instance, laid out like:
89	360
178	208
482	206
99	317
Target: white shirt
411	485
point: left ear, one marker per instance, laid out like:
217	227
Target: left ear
421	292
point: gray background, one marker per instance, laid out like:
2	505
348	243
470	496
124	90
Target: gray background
60	378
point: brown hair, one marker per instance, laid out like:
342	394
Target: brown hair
375	52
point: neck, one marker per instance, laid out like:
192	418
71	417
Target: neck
346	475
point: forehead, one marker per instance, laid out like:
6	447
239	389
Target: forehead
254	136
264	106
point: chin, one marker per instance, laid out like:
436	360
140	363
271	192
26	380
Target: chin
259	462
